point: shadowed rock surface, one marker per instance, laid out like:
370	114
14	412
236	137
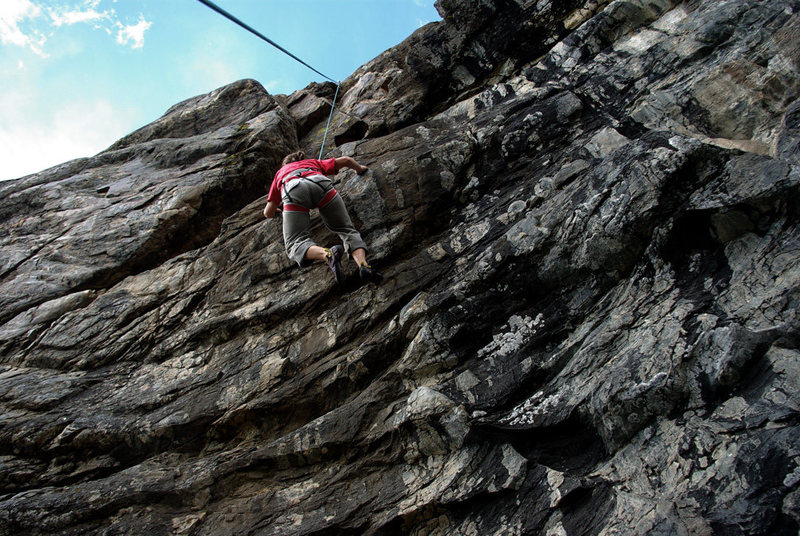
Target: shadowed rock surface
586	213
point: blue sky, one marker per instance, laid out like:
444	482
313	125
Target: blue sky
79	74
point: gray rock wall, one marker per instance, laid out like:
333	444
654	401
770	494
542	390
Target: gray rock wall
586	214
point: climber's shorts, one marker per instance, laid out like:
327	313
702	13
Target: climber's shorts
299	197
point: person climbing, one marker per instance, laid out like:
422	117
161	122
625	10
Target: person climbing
302	184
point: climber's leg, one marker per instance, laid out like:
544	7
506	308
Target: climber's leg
334	215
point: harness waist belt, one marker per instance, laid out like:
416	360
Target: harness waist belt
296	174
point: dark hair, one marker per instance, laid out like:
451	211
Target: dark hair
293	157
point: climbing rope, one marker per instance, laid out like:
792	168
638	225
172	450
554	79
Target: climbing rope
330	116
255	32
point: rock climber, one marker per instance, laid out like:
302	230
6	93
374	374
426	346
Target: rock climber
302	184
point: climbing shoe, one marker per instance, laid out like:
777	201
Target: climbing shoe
335	262
369	274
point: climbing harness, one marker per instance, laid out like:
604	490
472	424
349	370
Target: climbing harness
213	6
296	174
290	205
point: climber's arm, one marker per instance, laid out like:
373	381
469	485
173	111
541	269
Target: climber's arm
346	161
271	209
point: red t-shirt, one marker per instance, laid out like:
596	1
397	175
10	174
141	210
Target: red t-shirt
318	167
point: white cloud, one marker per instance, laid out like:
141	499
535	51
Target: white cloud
133	33
27	23
127	34
13	13
68	18
81	129
40	129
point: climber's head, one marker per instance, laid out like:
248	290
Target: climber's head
293	157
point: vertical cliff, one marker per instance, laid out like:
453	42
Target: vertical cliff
586	213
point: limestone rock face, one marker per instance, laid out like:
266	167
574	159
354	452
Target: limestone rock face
586	214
